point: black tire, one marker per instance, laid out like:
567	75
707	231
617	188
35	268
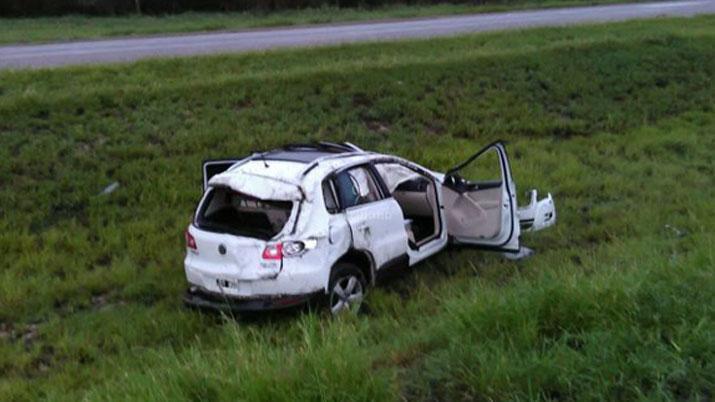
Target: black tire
351	299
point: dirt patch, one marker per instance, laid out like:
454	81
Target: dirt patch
377	126
30	334
434	127
43	362
243	104
7	331
99	301
361	100
402	358
104	260
27	334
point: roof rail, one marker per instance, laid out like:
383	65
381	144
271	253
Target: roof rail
321	146
353	146
316	162
340	150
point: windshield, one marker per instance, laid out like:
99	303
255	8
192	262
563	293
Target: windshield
228	211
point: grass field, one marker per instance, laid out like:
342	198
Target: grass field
73	27
616	121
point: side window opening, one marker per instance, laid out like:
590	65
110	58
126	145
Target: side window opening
347	193
356	186
331	204
485	170
228	211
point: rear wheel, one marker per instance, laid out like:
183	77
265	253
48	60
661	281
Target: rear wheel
347	289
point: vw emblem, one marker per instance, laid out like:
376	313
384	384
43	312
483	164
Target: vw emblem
221	249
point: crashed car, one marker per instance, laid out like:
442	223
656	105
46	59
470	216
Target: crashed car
282	227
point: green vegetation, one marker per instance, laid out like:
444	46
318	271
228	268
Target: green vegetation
73	27
615	120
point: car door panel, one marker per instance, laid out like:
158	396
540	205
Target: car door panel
378	228
375	221
474	214
482	213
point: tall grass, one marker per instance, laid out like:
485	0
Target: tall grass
615	120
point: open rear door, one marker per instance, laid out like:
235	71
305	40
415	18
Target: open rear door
480	201
213	167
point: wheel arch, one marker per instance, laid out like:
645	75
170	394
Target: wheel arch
363	259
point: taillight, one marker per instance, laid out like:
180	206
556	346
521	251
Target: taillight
190	241
291	248
273	251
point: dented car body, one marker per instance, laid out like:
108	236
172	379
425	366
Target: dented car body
301	222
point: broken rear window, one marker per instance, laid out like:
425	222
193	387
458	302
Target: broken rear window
228	211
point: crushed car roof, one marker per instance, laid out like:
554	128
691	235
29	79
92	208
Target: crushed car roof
307	153
281	174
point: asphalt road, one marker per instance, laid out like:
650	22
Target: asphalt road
130	49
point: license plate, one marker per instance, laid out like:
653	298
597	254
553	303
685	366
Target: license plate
225	283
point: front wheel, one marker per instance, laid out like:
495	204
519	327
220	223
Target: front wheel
347	289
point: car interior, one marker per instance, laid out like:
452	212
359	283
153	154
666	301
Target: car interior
355	187
229	211
417	196
473	208
475	212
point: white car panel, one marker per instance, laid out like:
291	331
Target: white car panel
229	265
378	228
537	215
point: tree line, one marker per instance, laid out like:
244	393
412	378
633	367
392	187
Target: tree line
31	8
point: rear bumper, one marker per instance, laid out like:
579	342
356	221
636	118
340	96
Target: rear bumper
198	298
298	276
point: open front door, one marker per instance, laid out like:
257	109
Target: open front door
213	167
480	201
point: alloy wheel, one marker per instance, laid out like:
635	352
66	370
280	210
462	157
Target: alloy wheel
346	295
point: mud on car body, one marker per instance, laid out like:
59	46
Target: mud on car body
282	227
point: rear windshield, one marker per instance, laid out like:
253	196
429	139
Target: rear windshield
228	211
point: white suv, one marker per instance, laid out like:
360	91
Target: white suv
281	227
